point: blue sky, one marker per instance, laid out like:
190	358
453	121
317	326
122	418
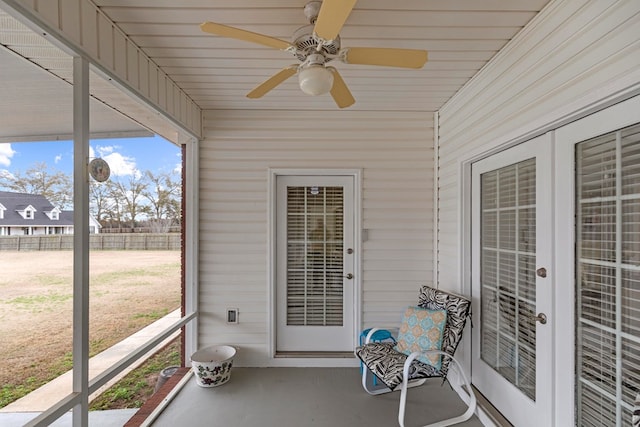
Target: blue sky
126	156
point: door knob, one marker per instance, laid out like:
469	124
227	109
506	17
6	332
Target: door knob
349	276
542	318
541	272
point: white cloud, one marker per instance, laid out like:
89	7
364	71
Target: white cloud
105	150
6	153
178	168
57	159
121	165
6	174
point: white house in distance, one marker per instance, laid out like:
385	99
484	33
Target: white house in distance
32	214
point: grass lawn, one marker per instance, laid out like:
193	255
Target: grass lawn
138	385
127	289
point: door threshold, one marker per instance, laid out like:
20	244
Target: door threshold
490	411
315	354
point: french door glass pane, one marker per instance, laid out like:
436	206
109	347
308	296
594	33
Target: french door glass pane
608	277
315	256
507	270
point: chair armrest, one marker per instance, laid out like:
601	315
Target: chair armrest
472	400
393	329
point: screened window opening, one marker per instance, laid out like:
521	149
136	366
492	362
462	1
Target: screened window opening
608	278
315	256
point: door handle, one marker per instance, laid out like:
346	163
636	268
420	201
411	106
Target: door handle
541	317
349	276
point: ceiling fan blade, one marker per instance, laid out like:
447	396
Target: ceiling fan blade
272	82
339	91
249	36
405	58
331	18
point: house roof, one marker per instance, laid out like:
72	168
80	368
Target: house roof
15	202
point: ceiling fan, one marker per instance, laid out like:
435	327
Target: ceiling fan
315	45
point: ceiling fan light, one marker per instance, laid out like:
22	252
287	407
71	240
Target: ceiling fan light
315	80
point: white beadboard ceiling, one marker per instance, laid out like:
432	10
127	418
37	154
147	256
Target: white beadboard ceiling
461	36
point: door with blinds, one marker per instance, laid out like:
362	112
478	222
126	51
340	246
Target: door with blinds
512	283
607	271
314	262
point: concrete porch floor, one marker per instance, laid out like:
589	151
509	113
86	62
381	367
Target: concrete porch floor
270	397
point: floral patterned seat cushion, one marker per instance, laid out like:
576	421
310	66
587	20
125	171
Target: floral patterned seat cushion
387	363
420	330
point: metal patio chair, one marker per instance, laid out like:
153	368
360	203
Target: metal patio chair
425	347
635	417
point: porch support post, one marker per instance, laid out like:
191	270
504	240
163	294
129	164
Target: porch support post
190	196
81	240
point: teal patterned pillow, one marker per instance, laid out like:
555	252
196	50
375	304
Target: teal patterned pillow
420	330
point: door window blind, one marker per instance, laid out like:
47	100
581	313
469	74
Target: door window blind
315	256
507	271
608	277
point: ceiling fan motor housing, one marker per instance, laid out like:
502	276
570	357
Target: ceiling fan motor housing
306	44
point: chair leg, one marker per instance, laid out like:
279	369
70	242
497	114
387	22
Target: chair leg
367	383
450	421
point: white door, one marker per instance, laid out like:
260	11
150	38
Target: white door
314	263
512	282
599	222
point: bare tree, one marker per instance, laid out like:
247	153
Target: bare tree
40	179
100	200
130	193
163	194
160	225
158	195
114	212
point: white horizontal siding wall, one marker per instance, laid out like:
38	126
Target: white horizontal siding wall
571	57
394	152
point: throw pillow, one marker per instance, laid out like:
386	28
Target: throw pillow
420	330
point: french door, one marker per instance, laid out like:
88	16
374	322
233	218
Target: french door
512	285
602	276
315	263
